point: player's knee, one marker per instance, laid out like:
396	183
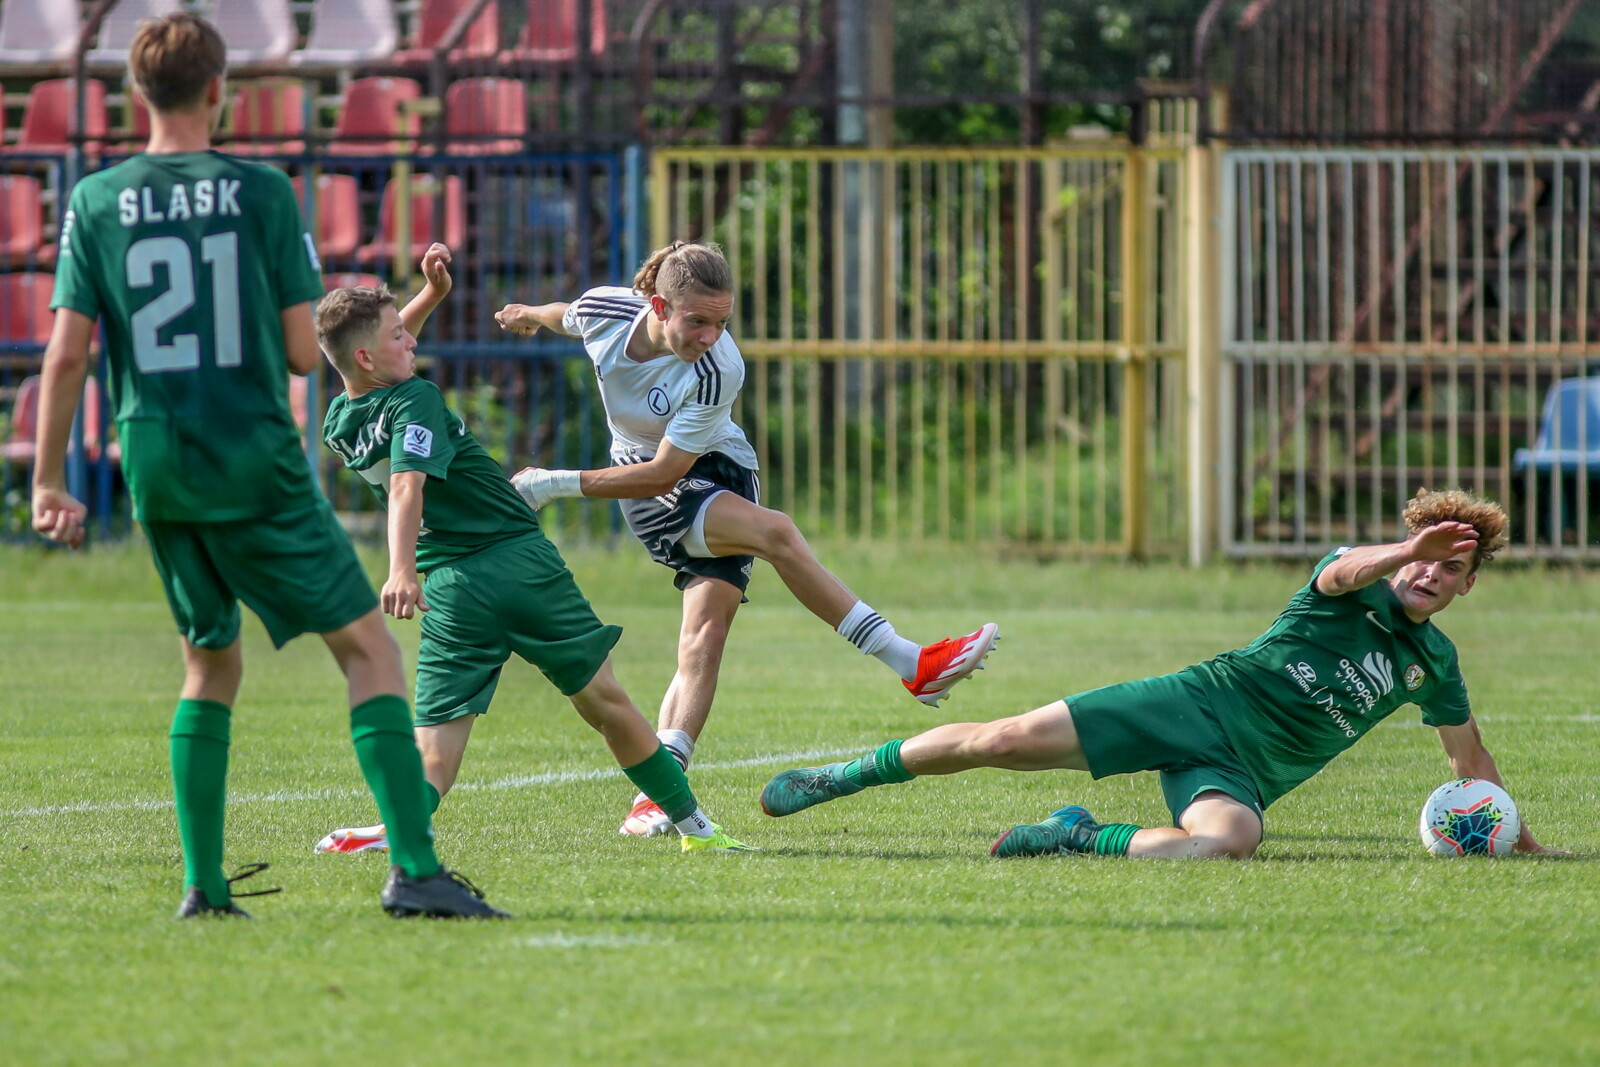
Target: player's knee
1226	843
1005	743
779	538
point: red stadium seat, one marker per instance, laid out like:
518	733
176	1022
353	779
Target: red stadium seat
476	108
551	33
481	40
257	32
338	214
372	117
424	228
22	446
22	232
37	32
348	33
25	315
268	118
48	116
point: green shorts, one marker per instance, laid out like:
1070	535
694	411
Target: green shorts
1162	724
516	596
295	570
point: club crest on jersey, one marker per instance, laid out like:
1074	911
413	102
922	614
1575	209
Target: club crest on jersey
1415	676
418	441
657	399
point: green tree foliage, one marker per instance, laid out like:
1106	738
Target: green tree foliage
974	47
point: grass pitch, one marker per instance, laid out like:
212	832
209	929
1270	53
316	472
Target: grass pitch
872	930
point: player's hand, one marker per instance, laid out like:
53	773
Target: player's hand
402	595
539	486
1443	540
517	319
59	516
436	268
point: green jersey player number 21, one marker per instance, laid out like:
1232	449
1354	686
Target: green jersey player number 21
199	269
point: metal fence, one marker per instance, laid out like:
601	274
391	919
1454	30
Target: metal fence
1401	319
969	345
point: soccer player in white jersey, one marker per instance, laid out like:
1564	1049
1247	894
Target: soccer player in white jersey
685	475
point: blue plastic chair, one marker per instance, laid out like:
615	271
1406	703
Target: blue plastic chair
1569	435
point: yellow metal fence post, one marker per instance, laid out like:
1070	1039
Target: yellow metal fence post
1135	370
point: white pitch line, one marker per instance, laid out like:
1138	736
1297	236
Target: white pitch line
520	781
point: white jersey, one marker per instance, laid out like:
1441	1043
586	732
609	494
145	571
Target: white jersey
690	404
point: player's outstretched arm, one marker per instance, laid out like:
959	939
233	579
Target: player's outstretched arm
402	592
56	513
1360	567
1464	747
525	320
436	274
631	481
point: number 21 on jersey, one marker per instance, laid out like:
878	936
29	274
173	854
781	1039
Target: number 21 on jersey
218	250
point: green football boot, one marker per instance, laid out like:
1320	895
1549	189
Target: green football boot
806	787
1071	829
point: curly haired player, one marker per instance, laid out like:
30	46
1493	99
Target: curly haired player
1233	734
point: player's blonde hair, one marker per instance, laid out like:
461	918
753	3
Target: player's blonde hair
684	267
173	58
347	319
1458	505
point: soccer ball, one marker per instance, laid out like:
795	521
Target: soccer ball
1470	817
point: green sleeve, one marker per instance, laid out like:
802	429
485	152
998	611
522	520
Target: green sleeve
75	288
1322	565
421	426
1448	705
296	268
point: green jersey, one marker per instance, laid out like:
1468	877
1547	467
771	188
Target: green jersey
187	260
1330	669
468	504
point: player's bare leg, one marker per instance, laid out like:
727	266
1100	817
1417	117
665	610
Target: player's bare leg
605	706
709	605
736	527
1043	739
1215	826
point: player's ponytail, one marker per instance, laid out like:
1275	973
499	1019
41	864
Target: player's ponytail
683	267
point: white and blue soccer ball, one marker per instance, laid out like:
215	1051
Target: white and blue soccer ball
1470	817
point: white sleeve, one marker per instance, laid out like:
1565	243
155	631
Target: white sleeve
707	412
600	311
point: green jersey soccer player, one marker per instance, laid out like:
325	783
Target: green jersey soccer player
494	584
1233	734
200	270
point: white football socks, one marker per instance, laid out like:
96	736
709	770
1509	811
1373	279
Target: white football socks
874	635
696	825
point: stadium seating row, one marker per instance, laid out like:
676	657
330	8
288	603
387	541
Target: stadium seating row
25	240
375	116
344	33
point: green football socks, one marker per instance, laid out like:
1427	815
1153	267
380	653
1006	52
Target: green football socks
392	766
200	732
661	779
1112	839
431	795
881	766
